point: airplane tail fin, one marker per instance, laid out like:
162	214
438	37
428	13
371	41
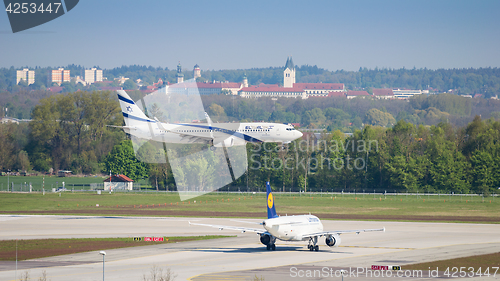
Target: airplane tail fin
131	112
271	211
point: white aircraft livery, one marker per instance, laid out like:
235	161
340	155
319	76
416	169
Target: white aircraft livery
218	134
291	228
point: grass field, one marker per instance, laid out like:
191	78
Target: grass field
253	205
491	261
52	182
40	248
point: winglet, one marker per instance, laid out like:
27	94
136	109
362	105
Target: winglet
271	211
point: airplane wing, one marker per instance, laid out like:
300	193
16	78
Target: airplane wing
194	139
222	227
122	127
324	233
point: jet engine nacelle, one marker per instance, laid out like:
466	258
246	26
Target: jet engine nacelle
333	240
265	239
231	141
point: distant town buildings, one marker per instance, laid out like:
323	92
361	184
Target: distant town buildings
406	94
383	93
196	71
59	76
26	75
245	81
320	89
179	75
289	74
265	90
230	88
291	89
93	75
121	79
356	94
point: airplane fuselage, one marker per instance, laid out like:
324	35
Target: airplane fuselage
231	133
292	228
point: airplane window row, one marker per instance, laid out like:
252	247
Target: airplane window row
201	131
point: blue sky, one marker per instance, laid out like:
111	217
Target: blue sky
234	34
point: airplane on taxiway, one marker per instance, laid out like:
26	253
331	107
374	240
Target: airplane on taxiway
291	228
217	134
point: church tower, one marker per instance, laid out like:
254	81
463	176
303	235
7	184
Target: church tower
196	71
179	75
289	74
245	81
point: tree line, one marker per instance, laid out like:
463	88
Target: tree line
72	132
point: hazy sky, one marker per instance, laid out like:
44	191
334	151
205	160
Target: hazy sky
232	34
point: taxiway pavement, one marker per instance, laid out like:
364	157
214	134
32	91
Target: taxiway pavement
238	258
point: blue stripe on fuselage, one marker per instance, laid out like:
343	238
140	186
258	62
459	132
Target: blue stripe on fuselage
227	131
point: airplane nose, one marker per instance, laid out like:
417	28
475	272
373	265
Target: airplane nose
299	134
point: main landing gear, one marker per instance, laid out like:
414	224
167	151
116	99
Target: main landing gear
313	244
271	247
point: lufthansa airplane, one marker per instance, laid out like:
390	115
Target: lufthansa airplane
291	228
217	134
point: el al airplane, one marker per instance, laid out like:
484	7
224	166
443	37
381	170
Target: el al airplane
291	228
217	135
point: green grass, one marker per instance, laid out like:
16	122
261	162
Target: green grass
52	182
476	262
247	203
40	248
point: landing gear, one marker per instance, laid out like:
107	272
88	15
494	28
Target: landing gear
313	244
271	247
313	248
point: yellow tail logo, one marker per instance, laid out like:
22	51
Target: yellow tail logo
270	201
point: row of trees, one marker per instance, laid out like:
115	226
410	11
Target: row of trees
349	115
404	158
70	132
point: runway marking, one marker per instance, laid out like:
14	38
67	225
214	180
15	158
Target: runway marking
367	247
220	277
10	217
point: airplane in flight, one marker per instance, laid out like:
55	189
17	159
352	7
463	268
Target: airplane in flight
291	228
217	134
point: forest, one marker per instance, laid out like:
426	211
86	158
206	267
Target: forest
435	143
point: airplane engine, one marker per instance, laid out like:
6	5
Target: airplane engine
265	239
333	240
230	142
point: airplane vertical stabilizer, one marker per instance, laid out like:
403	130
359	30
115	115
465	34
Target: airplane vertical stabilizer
271	211
131	112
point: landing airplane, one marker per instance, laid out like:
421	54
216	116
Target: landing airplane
291	228
217	135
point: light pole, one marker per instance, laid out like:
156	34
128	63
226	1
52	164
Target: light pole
102	253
